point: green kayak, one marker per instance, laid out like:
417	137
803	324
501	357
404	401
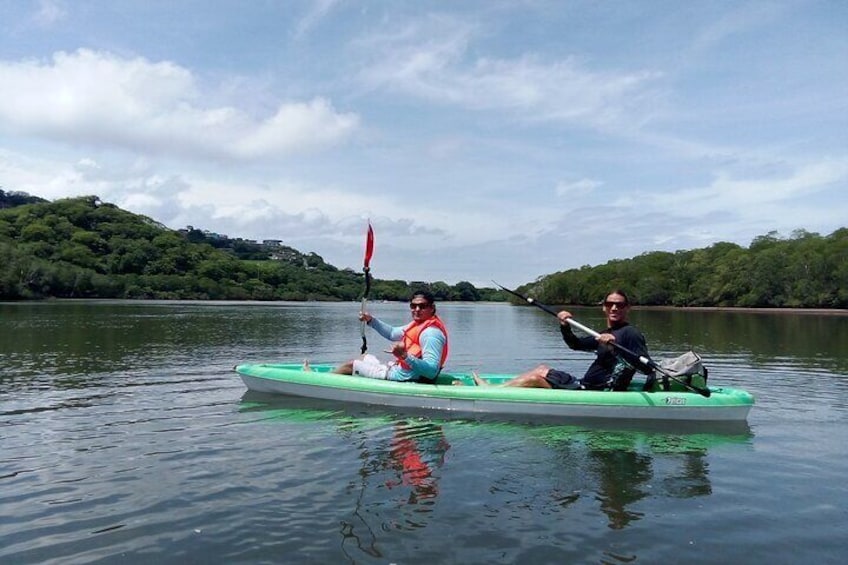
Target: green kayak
456	392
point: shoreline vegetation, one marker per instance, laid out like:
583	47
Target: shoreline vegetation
740	309
730	309
84	248
751	310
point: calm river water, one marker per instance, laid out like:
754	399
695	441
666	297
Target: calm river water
127	438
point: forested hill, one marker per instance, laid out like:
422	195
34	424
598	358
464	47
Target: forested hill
805	270
85	248
13	198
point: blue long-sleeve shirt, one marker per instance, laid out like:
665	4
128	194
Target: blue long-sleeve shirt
432	345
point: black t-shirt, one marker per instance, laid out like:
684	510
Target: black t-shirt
609	368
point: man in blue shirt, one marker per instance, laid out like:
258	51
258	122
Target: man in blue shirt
420	349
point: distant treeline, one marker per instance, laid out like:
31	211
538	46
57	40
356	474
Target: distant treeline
805	270
85	248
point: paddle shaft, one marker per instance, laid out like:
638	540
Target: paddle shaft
362	325
366	268
641	358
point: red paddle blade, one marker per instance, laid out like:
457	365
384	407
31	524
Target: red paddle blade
369	246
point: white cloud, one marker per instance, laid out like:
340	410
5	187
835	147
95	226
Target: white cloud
290	209
751	195
577	188
502	140
433	60
318	10
337	212
49	12
102	100
741	19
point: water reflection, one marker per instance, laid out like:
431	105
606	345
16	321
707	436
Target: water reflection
132	411
407	466
622	477
816	340
76	344
620	467
416	450
622	470
80	338
399	464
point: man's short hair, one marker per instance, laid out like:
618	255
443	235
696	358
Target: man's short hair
426	295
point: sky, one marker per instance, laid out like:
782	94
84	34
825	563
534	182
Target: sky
483	140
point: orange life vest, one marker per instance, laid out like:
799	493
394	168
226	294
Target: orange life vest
412	335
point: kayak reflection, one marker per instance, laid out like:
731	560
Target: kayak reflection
399	467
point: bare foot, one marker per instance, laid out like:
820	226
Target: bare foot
478	380
306	368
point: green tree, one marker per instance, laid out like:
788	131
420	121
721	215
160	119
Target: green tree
467	292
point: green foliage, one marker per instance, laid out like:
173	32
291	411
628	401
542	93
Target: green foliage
12	199
805	270
85	248
467	291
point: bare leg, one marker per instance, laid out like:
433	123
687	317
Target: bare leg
528	381
534	378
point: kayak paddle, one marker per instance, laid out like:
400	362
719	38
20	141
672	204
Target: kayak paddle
369	250
648	362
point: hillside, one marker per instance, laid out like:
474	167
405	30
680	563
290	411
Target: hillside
12	199
805	270
85	248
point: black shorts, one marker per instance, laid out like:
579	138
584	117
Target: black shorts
563	380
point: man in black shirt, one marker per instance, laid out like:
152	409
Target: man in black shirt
609	370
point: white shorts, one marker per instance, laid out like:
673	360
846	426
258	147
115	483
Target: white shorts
371	367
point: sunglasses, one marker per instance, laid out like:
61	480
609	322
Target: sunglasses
419	305
611	303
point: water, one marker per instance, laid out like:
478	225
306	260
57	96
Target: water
126	437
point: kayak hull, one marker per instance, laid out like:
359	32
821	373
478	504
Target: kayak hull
724	404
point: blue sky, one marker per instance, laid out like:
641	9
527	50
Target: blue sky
483	139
